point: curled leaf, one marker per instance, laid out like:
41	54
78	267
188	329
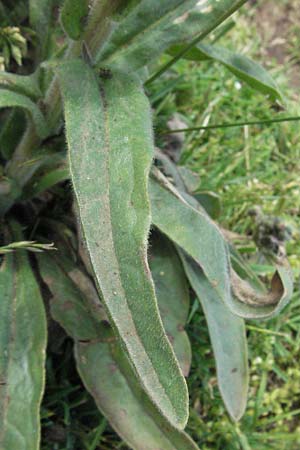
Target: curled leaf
184	221
10	99
254	303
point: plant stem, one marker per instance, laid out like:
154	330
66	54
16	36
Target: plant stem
235	124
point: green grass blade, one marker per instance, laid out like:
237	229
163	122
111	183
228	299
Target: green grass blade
9	99
104	369
109	134
23	345
228	339
242	67
154	25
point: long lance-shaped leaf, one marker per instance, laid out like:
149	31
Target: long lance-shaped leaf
22	342
172	293
110	149
244	68
193	231
10	99
27	85
154	25
228	339
102	366
178	216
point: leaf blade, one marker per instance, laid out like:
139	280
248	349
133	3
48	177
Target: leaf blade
114	212
23	343
184	221
100	363
173	298
153	26
27	85
9	99
242	67
228	338
73	15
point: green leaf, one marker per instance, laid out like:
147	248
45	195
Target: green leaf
242	67
155	25
103	367
40	17
9	192
210	201
47	181
13	127
10	99
184	221
109	134
193	231
23	344
73	17
126	407
228	339
27	85
172	293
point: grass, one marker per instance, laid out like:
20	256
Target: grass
247	166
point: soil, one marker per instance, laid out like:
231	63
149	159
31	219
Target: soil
278	23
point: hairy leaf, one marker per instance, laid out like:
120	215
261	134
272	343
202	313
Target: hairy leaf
73	17
23	343
244	68
172	292
228	338
252	303
27	85
10	99
193	231
184	221
40	16
109	134
102	365
154	25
